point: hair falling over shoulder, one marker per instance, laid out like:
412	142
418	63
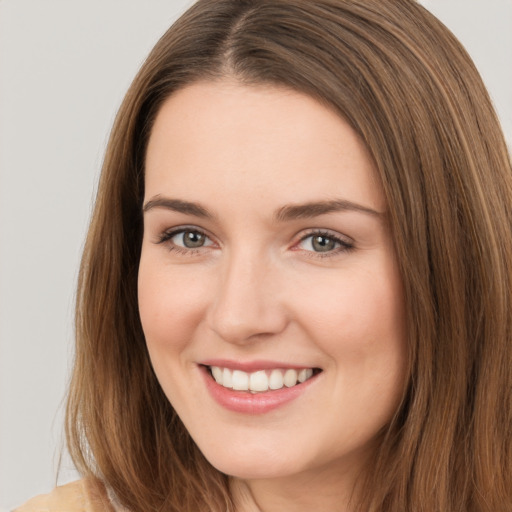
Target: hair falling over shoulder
409	89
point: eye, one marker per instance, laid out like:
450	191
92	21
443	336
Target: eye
322	242
190	239
185	239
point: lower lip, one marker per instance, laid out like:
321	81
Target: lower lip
253	403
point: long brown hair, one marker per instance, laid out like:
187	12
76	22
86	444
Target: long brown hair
412	93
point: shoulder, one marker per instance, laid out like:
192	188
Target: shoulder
81	496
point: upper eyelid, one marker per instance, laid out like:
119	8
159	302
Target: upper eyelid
327	233
180	229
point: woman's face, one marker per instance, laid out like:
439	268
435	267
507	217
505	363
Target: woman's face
269	292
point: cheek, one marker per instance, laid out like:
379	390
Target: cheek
362	329
364	308
171	304
358	320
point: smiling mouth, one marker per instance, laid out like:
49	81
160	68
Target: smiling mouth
261	381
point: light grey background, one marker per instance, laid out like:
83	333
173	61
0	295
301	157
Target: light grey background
64	67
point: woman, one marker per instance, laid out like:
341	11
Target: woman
296	287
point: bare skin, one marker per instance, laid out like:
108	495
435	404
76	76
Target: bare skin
266	244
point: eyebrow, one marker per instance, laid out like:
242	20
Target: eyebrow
317	208
178	205
283	214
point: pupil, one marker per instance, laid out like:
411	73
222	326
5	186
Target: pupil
323	243
193	239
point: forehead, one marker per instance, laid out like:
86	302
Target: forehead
256	141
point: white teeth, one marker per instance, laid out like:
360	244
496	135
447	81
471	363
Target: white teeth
217	374
227	378
240	380
276	379
258	381
305	374
290	378
261	380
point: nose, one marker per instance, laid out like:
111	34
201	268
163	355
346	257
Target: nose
247	304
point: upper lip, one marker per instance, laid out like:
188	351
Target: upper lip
252	366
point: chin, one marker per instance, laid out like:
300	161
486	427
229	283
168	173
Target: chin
254	470
253	462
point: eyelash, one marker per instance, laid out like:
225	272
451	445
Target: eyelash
343	246
166	236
